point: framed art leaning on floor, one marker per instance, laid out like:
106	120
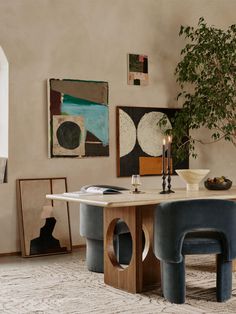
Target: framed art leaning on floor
44	224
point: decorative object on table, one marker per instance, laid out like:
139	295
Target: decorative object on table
78	118
168	172
44	224
192	177
139	141
212	74
218	183
136	182
163	168
169	165
137	69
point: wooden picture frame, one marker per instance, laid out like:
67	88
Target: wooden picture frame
44	224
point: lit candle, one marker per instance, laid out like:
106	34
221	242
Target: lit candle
169	153
163	156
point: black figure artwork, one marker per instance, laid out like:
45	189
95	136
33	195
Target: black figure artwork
46	243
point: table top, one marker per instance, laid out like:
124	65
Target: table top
148	197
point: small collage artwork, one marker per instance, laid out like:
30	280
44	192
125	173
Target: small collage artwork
137	69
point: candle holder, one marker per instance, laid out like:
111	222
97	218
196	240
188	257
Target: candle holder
163	183
169	181
163	168
168	165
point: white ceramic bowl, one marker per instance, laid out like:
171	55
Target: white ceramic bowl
192	177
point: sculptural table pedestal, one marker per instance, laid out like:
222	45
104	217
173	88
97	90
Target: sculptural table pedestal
143	272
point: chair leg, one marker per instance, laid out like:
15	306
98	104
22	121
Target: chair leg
223	279
173	281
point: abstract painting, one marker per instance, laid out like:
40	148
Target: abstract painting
140	140
137	69
78	118
44	224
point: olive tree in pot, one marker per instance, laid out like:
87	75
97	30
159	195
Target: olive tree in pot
207	78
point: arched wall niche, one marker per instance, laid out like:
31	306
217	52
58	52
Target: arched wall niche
4	112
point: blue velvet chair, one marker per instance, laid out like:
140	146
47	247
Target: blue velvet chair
204	226
91	227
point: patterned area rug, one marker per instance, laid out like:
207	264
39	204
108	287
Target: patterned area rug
62	284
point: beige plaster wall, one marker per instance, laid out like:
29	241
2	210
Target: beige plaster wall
90	39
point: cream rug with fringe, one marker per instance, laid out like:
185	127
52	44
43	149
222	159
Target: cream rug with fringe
62	284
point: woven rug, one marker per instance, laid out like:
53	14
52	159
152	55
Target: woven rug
62	284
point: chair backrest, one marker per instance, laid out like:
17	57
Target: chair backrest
91	221
174	219
91	217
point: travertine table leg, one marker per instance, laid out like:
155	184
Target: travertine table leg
143	272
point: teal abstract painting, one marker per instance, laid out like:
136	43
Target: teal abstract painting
78	118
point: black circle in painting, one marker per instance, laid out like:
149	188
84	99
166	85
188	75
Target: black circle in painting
68	135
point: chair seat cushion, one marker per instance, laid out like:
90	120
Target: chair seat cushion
202	243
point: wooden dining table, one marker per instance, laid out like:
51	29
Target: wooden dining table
137	211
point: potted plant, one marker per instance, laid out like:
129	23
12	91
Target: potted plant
207	78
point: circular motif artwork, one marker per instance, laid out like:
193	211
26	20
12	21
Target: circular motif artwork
68	135
127	133
149	134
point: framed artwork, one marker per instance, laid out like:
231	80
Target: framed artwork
4	115
3	169
78	118
137	69
139	141
44	224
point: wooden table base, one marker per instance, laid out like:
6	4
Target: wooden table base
234	266
143	272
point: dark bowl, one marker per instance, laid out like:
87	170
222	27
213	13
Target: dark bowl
218	186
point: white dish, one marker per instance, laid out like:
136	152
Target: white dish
192	177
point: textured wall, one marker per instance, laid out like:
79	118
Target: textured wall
90	39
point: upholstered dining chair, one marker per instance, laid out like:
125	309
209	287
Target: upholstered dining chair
203	226
91	227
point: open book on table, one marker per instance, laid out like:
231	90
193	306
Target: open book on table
102	190
93	190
